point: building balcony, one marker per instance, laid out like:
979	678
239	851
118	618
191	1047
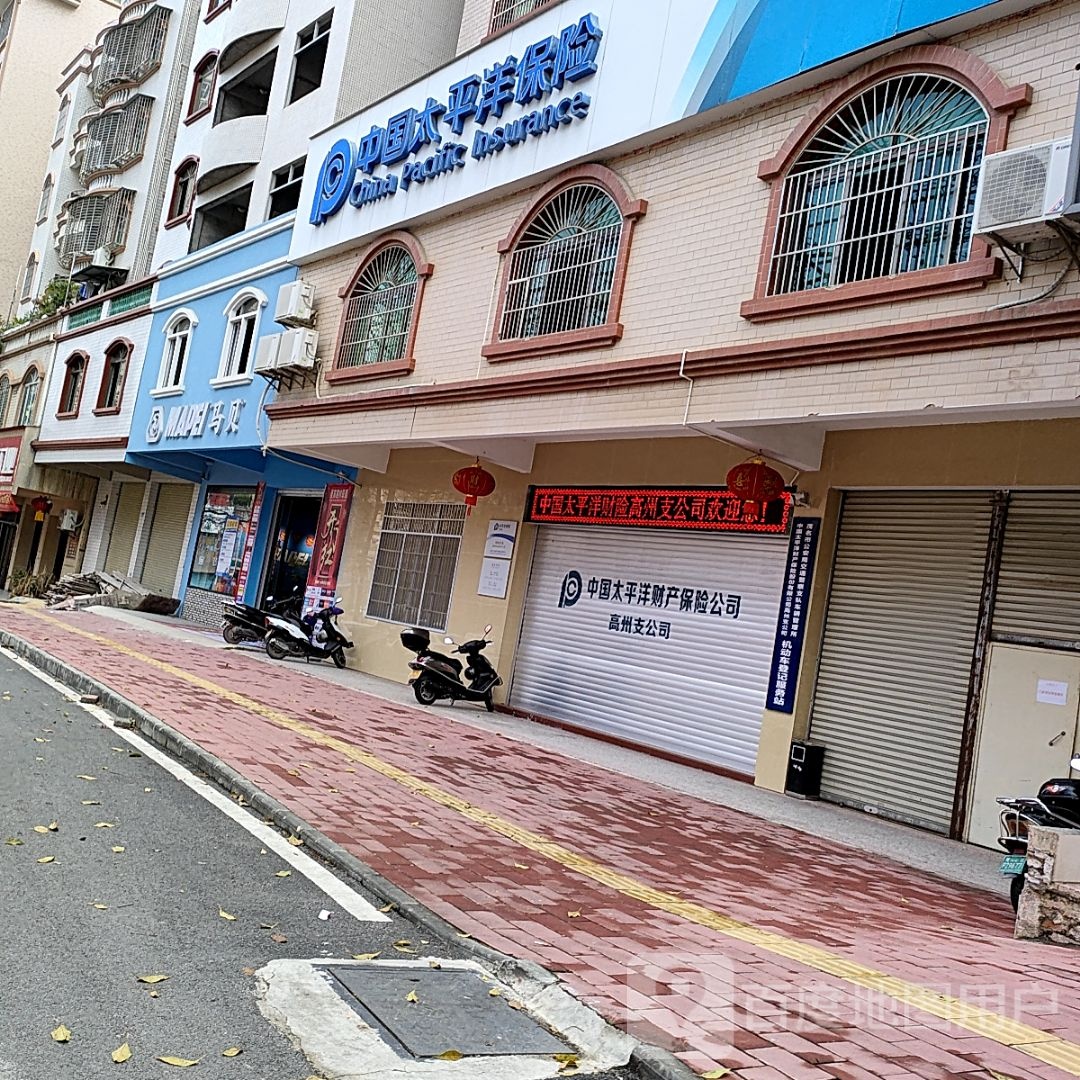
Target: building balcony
248	23
229	148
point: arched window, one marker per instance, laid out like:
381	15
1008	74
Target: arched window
28	397
5	397
238	353
885	186
111	391
29	274
74	380
174	359
183	193
202	87
62	119
379	311
46	199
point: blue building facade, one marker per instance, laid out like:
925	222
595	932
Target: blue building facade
199	417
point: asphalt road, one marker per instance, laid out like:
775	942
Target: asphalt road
64	960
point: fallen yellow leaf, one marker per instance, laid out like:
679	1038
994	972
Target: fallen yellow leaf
48	858
153	993
61	1034
225	915
91	802
41	829
179	1062
283	873
118	849
520	866
403	948
121	1054
494	992
411	997
573	914
451	1055
386	907
83	776
233	1051
296	841
102	907
365	955
715	1074
13	841
53	826
152	979
104	825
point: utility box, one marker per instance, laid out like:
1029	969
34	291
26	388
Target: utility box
804	769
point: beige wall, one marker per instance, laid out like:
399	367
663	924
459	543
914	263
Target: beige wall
45	35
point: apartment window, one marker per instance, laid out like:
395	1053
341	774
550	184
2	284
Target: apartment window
222	218
285	187
243	324
379	311
96	221
111	391
129	52
416	563
249	93
28	397
5	399
71	391
46	199
29	274
310	57
174	359
116	138
6	15
214	7
885	186
202	87
183	193
505	12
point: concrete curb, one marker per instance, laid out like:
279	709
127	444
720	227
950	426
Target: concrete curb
647	1062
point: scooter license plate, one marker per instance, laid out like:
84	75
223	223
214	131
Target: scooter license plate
1014	864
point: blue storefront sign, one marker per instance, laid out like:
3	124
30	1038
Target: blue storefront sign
791	622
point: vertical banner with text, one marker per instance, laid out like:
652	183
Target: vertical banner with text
329	544
249	542
791	622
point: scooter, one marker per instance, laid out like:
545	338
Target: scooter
315	637
436	675
245	622
1057	806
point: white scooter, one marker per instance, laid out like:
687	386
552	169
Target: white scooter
316	636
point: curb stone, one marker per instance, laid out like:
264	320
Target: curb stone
647	1062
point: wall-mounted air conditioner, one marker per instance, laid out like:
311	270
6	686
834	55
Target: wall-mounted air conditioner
1022	192
266	355
297	352
295	304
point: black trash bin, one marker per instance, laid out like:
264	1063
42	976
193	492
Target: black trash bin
804	769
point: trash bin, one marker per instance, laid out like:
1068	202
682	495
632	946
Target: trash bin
804	769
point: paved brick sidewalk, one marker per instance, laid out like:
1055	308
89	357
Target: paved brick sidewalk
735	942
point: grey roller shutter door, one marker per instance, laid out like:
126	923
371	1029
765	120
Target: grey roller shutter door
1038	591
892	684
124	527
165	546
698	692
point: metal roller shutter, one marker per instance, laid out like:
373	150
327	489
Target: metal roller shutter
699	691
124	527
1038	592
165	547
896	657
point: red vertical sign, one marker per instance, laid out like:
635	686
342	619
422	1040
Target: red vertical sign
249	543
329	540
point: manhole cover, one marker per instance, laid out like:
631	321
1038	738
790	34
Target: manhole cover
453	1011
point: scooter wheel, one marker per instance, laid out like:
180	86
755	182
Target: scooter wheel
339	658
276	647
489	702
233	634
425	691
1016	887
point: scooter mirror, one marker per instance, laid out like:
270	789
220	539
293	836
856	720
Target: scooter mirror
269	599
448	641
487	629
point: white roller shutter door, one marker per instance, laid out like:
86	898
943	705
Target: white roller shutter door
1038	592
125	525
892	684
165	546
699	691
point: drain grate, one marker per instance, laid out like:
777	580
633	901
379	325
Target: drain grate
453	1011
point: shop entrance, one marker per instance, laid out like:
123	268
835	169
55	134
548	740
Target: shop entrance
296	519
9	524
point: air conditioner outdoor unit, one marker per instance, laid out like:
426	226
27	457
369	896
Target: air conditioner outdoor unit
295	304
1021	192
70	521
297	352
266	355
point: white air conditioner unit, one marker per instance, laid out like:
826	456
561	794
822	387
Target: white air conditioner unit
297	352
266	355
70	521
295	304
1022	191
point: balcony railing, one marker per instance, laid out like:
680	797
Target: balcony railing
95	222
116	138
129	52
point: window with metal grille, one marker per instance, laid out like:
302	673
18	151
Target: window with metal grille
116	138
310	57
505	12
71	392
46	199
563	267
285	186
5	398
96	221
130	51
29	274
28	397
112	380
416	563
379	311
885	187
174	359
240	338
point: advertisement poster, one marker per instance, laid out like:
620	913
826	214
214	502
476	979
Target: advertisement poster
329	544
249	544
791	626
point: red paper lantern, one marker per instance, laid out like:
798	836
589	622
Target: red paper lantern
755	481
41	506
474	483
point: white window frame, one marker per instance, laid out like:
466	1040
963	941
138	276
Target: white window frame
235	333
28	402
62	119
29	277
167	383
318	31
45	202
293	174
5	399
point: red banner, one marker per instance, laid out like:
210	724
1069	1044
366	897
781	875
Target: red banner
330	538
9	460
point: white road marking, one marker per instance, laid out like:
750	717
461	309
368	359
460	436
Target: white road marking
346	898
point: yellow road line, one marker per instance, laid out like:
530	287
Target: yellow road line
1041	1045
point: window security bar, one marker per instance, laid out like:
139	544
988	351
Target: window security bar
116	138
130	52
93	222
377	326
505	12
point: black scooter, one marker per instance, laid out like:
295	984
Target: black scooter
1057	806
245	622
437	676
